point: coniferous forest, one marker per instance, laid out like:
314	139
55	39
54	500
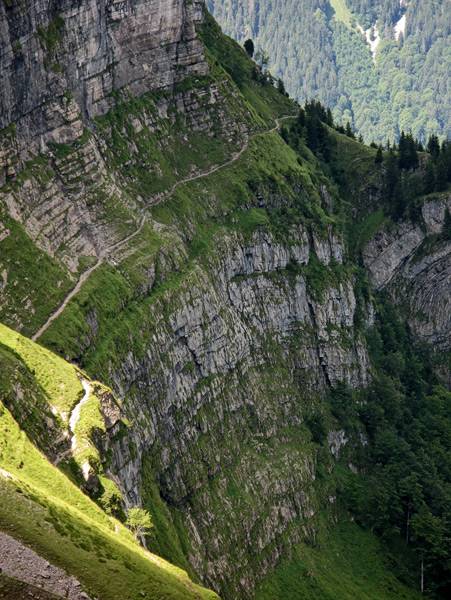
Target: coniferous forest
382	65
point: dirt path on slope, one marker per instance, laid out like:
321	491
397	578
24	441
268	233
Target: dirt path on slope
75	414
164	196
229	162
83	277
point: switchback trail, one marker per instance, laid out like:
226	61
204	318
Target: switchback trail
159	198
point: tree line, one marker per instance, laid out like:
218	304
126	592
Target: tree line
408	169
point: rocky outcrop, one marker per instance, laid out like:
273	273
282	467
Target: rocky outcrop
64	212
413	260
22	563
389	249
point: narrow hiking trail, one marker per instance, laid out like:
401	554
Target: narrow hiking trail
83	277
229	162
75	414
158	199
73	421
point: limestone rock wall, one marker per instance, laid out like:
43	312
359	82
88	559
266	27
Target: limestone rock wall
413	261
89	50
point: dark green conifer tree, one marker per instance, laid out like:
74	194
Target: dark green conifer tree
433	146
301	118
349	131
379	156
446	154
429	177
281	87
407	152
330	119
249	47
441	173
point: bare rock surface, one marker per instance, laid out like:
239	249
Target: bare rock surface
91	49
22	563
413	261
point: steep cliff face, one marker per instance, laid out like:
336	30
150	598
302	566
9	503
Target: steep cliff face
55	51
231	366
413	260
212	284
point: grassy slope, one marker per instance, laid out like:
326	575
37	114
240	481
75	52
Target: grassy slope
39	505
58	379
348	563
354	167
35	281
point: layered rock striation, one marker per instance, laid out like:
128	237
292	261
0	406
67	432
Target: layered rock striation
413	261
87	51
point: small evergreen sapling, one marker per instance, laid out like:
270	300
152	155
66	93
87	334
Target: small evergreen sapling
281	87
407	155
349	131
433	146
